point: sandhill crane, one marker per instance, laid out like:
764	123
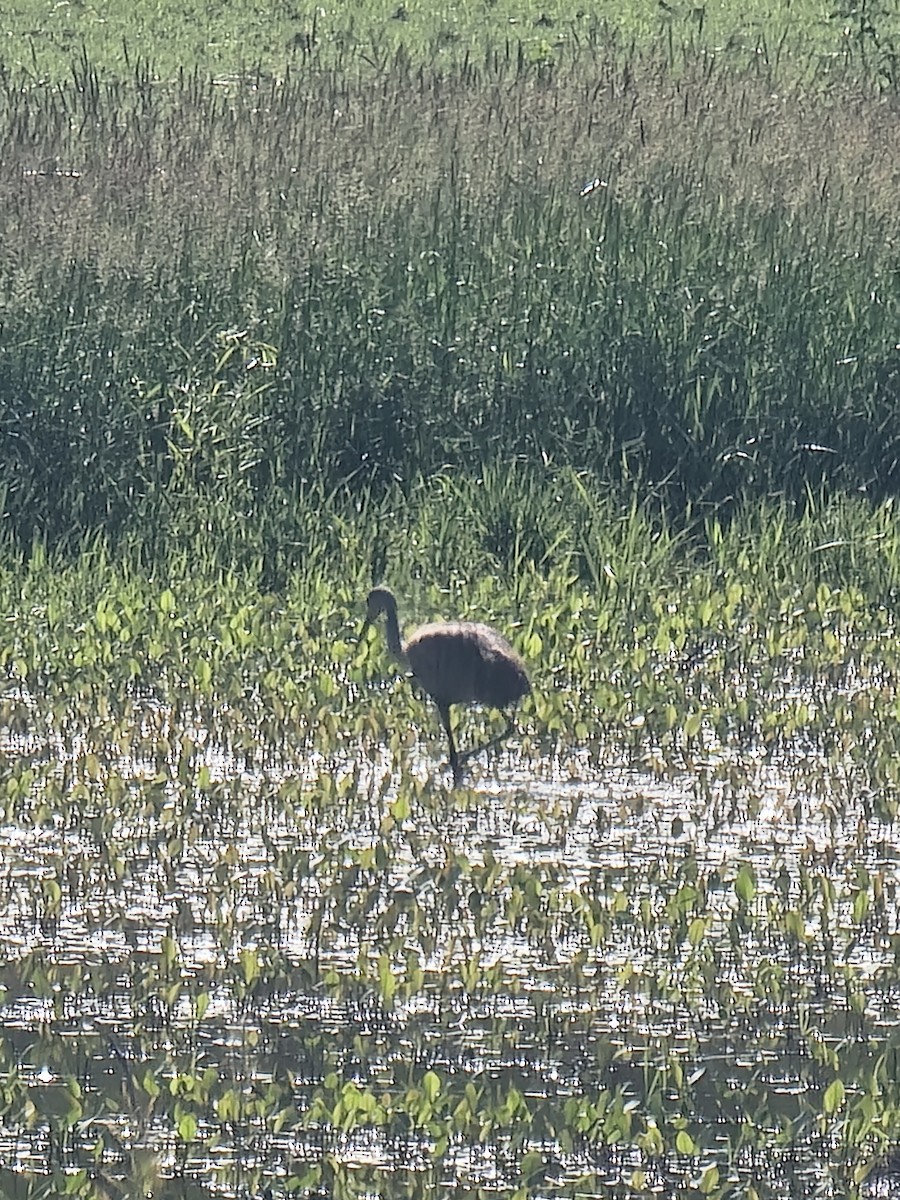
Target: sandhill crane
456	662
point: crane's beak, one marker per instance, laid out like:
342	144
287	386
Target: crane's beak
365	628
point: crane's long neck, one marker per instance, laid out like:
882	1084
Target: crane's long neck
392	633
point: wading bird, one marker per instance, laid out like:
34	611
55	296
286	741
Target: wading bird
456	662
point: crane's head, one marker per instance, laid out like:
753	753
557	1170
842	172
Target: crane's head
380	600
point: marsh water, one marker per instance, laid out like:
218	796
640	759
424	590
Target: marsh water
230	972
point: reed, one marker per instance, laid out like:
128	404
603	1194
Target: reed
339	283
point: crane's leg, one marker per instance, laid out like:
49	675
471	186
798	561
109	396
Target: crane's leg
444	710
494	741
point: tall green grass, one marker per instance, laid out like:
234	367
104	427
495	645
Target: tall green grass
347	284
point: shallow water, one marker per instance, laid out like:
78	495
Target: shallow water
193	937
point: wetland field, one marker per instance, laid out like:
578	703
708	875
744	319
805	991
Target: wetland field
584	325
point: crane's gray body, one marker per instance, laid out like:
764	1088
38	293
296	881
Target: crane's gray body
456	662
466	663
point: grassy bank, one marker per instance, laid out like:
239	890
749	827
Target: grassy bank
352	282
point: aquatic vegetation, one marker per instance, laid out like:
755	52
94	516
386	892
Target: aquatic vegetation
252	939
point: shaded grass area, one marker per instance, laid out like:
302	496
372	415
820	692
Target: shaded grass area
350	283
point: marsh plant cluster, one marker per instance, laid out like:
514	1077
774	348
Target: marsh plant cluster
226	302
268	338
